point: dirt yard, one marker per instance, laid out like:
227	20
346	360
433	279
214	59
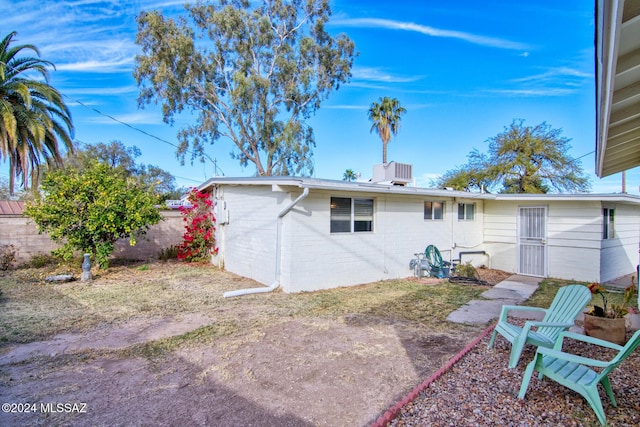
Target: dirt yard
158	345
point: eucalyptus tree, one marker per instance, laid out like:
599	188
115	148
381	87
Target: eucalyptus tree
33	116
385	117
250	72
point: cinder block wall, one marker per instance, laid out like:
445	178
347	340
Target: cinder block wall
166	233
21	232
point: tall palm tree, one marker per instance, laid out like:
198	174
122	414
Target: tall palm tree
33	116
386	120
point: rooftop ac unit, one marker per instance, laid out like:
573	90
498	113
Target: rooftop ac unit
396	173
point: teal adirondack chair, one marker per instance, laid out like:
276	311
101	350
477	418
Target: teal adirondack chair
573	371
567	304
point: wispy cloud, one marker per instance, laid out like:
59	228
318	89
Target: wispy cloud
80	35
551	91
378	75
553	81
97	66
138	118
554	74
111	90
430	31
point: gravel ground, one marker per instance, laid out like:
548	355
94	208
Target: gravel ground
479	390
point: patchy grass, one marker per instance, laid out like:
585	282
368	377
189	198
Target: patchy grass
549	287
545	293
161	347
404	300
31	309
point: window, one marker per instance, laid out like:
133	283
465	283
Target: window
351	215
608	215
466	211
433	210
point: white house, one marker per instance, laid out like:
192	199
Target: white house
305	234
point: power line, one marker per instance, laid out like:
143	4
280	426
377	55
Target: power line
214	162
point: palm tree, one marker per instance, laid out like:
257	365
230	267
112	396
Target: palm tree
33	116
386	120
349	175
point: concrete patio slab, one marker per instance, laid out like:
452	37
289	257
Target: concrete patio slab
512	291
507	296
477	311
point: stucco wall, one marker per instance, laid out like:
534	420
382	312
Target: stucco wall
21	232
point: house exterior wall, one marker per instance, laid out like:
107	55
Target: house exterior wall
467	235
314	258
321	259
500	241
574	235
619	256
572	248
574	239
247	242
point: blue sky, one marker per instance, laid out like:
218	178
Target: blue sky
463	71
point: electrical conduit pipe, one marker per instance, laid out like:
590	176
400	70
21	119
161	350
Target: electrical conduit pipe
276	282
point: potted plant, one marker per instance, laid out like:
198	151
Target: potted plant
608	322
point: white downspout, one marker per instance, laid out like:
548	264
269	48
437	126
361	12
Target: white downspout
276	282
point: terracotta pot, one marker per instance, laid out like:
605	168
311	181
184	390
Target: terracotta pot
612	330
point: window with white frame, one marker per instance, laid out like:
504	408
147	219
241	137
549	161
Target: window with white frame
466	211
433	210
351	215
608	217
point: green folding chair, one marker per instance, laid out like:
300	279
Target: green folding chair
575	372
560	316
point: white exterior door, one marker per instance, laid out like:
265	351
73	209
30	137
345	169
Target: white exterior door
532	241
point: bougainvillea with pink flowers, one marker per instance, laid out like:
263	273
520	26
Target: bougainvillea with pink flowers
198	241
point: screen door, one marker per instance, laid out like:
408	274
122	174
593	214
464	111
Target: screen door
532	241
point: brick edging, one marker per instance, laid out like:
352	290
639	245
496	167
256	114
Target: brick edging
392	413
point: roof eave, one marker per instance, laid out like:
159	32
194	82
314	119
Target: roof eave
609	17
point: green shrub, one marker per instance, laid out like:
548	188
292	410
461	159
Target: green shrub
467	270
40	260
7	256
168	253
